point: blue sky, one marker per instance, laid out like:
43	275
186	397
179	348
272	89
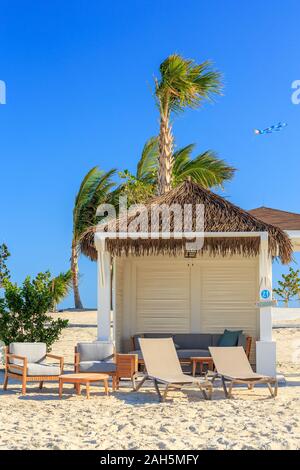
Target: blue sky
79	77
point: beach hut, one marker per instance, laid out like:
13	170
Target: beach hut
158	285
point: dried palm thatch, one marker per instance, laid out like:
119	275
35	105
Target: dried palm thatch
220	215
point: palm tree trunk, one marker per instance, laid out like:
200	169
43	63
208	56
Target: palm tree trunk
74	269
165	156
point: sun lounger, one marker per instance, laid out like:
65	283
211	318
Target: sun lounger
163	367
232	366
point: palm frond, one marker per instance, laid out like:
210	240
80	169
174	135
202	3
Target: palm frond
86	183
93	190
184	83
181	157
206	169
61	286
147	165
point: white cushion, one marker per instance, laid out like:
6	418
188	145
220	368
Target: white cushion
37	369
35	352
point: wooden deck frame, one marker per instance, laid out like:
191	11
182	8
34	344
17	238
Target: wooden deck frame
24	378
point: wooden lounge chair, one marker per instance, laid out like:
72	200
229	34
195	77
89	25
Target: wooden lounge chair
163	366
232	366
26	362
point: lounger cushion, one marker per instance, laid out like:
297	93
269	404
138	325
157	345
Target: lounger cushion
229	338
38	369
187	353
193	341
97	366
35	352
98	351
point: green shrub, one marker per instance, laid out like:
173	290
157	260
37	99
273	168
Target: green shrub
4	271
24	311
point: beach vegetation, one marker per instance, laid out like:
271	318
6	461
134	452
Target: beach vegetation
289	287
24	311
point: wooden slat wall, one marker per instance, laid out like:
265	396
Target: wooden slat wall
162	297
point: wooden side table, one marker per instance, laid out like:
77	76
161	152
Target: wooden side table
127	368
208	361
83	379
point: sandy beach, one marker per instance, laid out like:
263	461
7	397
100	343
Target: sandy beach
129	420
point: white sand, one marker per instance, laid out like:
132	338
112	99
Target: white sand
129	420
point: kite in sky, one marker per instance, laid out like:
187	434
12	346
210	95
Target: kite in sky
269	130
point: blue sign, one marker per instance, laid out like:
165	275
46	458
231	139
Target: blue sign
265	294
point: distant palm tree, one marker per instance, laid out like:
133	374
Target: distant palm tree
182	84
93	191
205	169
61	286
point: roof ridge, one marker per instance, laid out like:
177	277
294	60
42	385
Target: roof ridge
273	209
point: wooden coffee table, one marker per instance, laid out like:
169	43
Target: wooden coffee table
82	379
208	361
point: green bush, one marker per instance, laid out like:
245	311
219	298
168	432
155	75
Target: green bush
4	271
24	311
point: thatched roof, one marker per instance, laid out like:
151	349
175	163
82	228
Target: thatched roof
220	216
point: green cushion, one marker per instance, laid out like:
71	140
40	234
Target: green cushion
229	338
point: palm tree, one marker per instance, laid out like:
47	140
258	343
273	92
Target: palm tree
205	169
182	84
93	191
61	286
